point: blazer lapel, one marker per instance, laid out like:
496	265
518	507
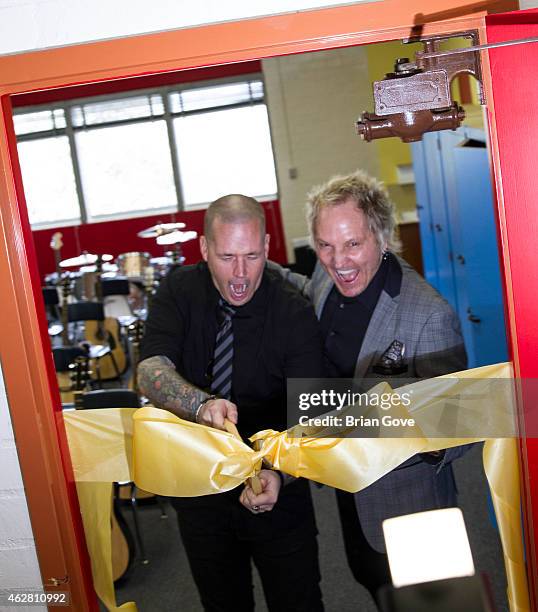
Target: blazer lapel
321	295
380	326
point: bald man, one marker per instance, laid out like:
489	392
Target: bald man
222	338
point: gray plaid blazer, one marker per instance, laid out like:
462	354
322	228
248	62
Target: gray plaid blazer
428	326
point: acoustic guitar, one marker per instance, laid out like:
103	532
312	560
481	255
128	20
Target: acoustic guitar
123	546
107	332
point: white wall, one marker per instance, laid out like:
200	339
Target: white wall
18	560
37	24
314	100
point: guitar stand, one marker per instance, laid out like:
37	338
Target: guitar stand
138	533
134	502
164	513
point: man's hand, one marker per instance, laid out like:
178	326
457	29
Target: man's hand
215	411
265	501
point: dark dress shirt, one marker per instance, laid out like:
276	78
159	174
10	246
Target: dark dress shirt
276	336
344	320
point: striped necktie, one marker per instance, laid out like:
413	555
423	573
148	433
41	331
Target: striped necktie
221	384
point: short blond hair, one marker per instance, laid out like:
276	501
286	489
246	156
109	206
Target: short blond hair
371	197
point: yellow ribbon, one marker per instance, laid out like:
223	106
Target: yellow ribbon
180	458
100	443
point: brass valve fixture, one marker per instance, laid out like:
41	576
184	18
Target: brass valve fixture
416	97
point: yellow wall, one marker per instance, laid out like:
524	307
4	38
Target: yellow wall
392	151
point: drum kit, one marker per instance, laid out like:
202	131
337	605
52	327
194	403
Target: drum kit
84	279
140	268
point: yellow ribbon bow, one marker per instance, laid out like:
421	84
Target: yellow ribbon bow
178	458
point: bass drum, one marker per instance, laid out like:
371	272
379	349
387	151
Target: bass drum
133	264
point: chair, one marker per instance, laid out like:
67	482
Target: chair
101	342
110	398
86	311
52	307
115	286
115	297
52	301
63	357
121	398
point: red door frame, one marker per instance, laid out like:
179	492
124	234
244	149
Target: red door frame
513	122
26	361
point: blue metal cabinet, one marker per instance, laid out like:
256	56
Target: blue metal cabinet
459	238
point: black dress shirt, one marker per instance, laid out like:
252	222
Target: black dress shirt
344	320
276	336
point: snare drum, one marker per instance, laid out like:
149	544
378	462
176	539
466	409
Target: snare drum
133	264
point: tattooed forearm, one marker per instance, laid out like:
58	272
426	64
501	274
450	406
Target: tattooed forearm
159	381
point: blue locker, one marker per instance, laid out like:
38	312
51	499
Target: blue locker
458	236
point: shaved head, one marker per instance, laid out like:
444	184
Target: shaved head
234	208
235	246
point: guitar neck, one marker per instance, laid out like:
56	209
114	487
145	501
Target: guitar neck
57	259
98	279
56	244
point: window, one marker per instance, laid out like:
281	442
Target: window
49	181
220	95
40	121
145	152
111	111
126	168
225	151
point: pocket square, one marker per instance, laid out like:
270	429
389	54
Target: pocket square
392	360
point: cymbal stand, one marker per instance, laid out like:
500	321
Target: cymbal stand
135	332
176	254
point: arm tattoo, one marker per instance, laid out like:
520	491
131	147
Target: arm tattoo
159	381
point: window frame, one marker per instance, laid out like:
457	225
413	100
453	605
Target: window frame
168	117
27	365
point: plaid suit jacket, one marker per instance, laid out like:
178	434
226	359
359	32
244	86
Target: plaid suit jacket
428	326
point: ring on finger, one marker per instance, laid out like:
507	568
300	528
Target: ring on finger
255	508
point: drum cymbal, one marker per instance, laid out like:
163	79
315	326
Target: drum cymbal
86	259
177	236
160	229
108	268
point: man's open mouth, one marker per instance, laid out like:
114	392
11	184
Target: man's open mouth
347	276
238	290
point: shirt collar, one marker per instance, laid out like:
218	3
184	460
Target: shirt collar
388	278
393	282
